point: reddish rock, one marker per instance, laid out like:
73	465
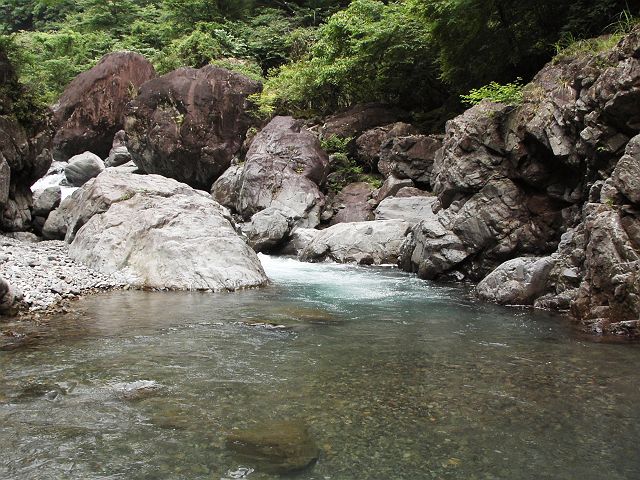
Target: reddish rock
357	119
91	109
352	204
189	124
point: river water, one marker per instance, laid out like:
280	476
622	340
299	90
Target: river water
394	377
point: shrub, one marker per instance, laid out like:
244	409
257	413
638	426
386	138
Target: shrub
509	93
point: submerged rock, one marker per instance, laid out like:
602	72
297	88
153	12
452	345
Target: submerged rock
280	448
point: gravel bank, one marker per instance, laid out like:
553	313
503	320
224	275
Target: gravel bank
43	276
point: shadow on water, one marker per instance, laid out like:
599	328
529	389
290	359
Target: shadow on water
376	374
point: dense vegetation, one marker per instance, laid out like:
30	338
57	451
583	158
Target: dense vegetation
315	56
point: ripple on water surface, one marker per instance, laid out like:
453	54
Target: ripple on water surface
393	377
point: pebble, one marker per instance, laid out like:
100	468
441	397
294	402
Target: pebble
43	274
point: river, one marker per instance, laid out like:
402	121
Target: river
395	378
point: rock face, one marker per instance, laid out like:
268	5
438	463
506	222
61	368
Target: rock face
156	232
351	204
299	238
366	243
46	201
189	124
554	180
369	144
391	186
409	209
284	169
409	157
278	448
25	139
91	109
82	168
356	120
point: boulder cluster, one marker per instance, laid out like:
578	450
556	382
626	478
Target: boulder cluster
170	182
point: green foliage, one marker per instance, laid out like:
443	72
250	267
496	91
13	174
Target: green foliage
17	100
48	61
336	144
245	67
345	168
509	94
480	41
363	53
319	56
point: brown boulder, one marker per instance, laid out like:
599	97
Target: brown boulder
189	124
357	119
351	204
91	109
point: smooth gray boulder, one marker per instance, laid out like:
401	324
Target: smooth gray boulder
159	233
299	238
410	209
517	282
46	201
366	243
82	168
97	195
284	168
269	228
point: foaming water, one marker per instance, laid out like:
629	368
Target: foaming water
395	378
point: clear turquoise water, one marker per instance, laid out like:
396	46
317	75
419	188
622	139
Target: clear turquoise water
396	378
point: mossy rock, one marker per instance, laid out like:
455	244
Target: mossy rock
276	447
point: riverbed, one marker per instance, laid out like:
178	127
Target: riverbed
394	377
